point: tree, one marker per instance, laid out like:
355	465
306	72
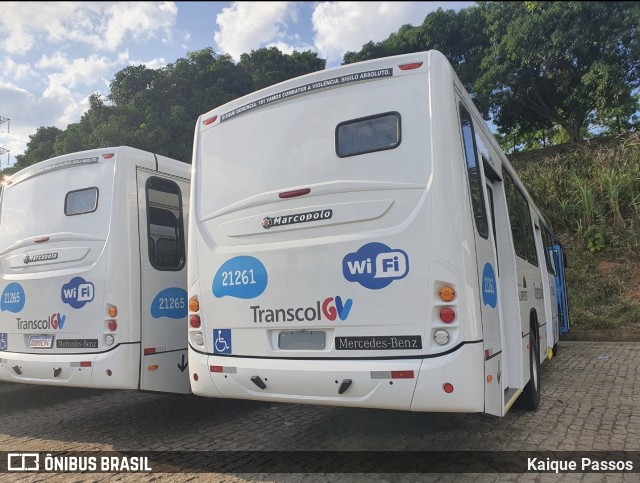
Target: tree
268	66
460	36
157	109
132	81
559	62
40	147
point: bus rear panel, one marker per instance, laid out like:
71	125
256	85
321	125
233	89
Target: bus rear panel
328	233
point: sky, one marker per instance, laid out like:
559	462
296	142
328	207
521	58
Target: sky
54	55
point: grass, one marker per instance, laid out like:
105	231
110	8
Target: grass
590	193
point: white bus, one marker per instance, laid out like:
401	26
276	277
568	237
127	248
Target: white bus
357	238
92	248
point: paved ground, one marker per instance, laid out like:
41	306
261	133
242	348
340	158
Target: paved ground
590	402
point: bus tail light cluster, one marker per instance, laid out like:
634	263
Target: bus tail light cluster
195	322
446	309
111	325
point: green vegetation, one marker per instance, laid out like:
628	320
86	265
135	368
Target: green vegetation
590	192
536	66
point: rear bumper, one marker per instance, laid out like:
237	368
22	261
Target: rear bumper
116	369
417	385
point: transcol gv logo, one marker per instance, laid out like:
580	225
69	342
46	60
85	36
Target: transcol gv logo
54	321
331	308
77	293
375	265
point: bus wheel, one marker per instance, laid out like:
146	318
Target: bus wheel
555	349
531	395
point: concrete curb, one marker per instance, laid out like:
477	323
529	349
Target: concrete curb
608	335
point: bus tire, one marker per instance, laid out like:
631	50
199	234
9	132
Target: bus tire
530	398
555	349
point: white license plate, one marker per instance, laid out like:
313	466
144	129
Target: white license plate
40	341
301	340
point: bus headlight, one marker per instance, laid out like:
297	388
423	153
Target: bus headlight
441	337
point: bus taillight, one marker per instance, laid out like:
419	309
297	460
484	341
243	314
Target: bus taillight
194	322
447	315
113	325
112	311
411	66
294	193
447	387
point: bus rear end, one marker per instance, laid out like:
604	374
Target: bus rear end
315	273
58	320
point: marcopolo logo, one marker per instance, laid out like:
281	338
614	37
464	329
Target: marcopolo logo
268	221
77	293
39	258
375	265
331	308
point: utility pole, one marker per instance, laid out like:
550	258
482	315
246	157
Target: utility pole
3	150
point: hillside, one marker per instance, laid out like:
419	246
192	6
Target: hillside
590	192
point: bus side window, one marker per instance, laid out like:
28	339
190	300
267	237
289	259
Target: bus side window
548	248
530	243
515	215
473	170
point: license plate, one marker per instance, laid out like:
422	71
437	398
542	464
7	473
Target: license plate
40	341
301	340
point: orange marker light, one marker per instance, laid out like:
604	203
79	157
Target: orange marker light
447	293
194	304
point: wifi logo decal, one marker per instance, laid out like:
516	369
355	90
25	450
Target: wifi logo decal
375	265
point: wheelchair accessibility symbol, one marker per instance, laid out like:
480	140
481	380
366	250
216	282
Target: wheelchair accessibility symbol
3	341
222	341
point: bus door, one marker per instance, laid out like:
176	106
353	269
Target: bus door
560	259
497	218
547	293
162	202
487	267
510	370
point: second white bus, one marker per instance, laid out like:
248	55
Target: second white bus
92	247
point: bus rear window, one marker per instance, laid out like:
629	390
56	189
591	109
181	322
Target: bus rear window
81	201
368	134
